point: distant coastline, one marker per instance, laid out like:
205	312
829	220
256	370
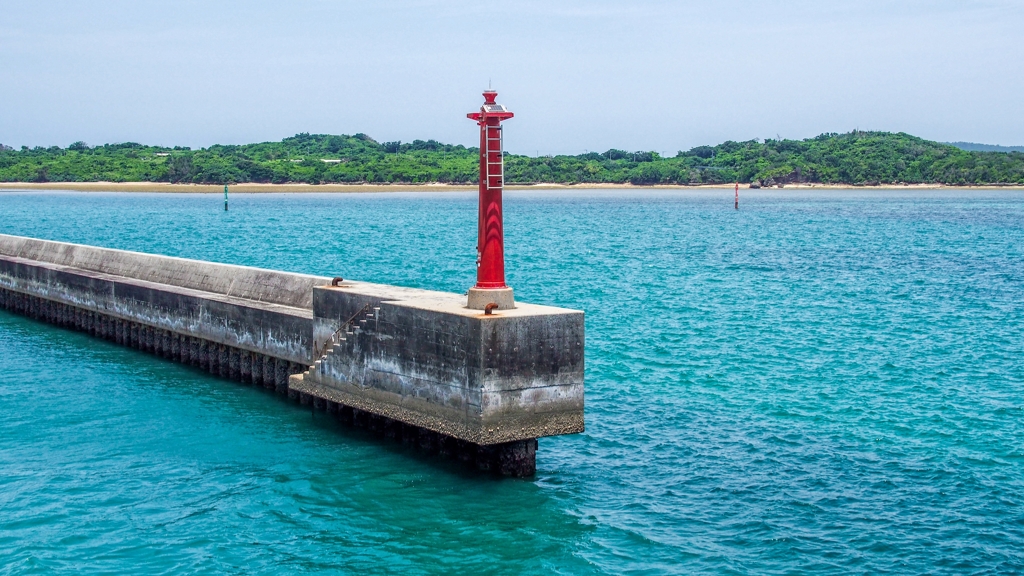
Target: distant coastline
353	163
262	188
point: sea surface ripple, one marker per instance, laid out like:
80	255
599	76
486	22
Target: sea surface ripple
827	381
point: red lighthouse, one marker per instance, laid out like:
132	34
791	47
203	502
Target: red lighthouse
490	244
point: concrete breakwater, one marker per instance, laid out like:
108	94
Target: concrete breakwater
414	365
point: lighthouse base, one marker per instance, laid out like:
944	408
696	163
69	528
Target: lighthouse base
479	298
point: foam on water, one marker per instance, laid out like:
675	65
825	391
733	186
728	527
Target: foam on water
828	381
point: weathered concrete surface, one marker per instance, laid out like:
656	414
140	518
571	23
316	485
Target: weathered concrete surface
414	364
262	311
424	358
205	355
247	283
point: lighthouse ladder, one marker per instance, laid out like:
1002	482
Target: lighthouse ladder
494	169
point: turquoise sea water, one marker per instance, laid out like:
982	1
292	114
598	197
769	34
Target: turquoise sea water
828	381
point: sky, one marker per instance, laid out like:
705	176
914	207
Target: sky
579	75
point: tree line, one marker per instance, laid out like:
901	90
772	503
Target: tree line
853	158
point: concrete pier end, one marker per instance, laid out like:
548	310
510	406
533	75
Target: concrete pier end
425	359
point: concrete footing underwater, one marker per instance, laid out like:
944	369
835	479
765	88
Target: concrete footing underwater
413	366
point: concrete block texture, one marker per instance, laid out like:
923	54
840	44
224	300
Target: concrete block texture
424	358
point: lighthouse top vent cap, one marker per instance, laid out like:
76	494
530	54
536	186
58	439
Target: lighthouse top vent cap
489	104
491	107
490	110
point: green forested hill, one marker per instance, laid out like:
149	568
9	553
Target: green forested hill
852	158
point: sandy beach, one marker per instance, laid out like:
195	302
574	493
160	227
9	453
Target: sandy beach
257	188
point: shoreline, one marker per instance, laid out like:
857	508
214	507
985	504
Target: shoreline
259	188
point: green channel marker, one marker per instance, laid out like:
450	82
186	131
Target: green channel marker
225	197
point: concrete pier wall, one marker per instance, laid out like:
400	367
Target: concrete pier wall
218	359
261	311
416	365
247	283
